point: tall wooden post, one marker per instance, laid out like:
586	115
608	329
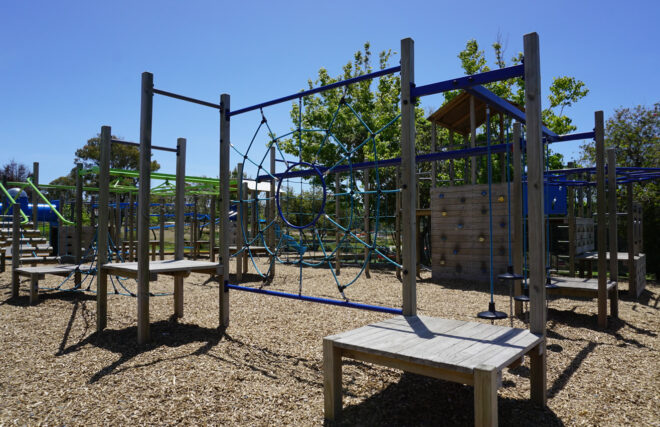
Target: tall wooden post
146	112
179	221
77	248
131	227
117	236
272	212
338	219
367	223
244	218
630	236
535	214
571	227
35	196
452	177
224	208
602	220
239	222
409	181
434	148
194	231
397	223
102	229
613	238
161	230
516	215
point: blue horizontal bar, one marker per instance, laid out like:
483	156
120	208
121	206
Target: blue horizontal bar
575	136
469	81
347	82
328	301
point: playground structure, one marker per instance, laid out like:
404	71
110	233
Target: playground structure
444	348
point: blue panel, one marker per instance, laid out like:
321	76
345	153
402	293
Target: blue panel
556	199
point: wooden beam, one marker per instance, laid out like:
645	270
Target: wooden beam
434	148
212	218
15	248
224	208
179	221
630	236
613	239
77	247
146	112
102	233
602	220
409	178
535	212
571	227
485	396
331	380
273	211
473	141
161	231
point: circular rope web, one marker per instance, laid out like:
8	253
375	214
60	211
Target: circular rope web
293	224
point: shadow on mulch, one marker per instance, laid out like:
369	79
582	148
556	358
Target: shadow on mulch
166	333
419	401
24	300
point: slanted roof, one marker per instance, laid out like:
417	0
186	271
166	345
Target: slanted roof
455	115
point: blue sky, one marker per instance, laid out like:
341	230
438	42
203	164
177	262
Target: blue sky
67	68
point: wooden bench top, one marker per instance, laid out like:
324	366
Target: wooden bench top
58	270
169	267
454	345
577	287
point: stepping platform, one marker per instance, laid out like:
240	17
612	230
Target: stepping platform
469	353
578	287
37	273
168	267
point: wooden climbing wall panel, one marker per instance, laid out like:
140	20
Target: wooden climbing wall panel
460	239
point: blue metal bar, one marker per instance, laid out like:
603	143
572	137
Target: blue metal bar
574	136
342	83
469	81
328	301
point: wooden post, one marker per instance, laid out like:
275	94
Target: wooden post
516	215
77	248
179	221
535	214
273	212
630	236
117	236
34	289
473	141
35	196
613	238
102	229
212	217
452	177
224	208
367	225
485	396
397	223
602	220
434	148
146	112
194	229
338	219
501	156
15	248
331	380
409	175
572	252
239	222
161	230
131	227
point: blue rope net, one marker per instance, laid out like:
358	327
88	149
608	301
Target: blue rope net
306	195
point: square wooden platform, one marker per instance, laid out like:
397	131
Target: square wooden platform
469	353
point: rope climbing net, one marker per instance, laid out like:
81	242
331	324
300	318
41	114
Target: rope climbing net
316	205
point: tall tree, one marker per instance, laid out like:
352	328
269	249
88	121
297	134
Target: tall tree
14	171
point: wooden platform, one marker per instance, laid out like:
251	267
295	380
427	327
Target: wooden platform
37	273
636	271
578	287
469	353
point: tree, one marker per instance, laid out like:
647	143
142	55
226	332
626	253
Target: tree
635	134
14	172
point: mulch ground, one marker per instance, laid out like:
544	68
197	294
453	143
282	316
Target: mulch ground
266	368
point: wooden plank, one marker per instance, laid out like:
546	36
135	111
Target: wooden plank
34	289
223	310
409	178
516	215
536	233
79	219
485	396
612	226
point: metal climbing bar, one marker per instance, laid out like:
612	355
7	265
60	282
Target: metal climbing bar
469	81
186	98
304	93
328	301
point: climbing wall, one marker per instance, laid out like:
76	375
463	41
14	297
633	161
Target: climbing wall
585	239
460	239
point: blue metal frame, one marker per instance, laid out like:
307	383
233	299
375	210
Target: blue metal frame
327	301
469	81
298	95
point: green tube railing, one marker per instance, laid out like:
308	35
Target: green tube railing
45	199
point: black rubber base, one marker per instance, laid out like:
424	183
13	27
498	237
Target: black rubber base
549	284
492	314
521	298
510	275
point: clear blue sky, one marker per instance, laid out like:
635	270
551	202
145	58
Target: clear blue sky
67	68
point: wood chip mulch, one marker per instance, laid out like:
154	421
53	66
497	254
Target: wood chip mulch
266	369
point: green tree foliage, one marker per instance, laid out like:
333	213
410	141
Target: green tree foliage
635	133
121	157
